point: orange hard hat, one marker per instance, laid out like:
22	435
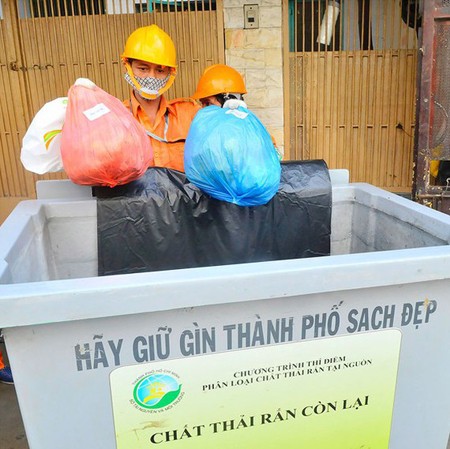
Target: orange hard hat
219	79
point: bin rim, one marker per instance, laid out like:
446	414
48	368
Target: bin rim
109	296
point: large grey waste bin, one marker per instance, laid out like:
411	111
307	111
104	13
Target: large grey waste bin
345	351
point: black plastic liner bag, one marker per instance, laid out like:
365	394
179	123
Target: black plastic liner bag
163	222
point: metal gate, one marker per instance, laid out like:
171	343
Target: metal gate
351	87
432	150
45	45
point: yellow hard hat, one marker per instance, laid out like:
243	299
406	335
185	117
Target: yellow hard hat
151	44
219	79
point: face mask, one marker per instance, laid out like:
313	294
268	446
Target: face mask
148	85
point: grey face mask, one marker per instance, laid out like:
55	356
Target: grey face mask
148	85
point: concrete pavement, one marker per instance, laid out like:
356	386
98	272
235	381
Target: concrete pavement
12	432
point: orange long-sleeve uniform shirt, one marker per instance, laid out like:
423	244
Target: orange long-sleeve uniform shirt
170	129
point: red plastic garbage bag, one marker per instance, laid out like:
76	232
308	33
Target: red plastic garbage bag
102	144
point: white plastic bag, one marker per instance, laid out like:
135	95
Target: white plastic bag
41	144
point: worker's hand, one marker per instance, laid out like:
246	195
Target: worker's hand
234	104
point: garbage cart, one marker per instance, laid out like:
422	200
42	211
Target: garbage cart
349	350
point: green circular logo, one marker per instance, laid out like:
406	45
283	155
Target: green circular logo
156	391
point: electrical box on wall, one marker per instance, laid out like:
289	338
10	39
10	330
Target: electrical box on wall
251	16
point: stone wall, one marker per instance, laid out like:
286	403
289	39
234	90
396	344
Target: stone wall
257	54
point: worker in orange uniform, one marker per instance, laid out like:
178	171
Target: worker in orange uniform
150	62
221	85
5	372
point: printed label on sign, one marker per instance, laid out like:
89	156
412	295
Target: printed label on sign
314	394
96	112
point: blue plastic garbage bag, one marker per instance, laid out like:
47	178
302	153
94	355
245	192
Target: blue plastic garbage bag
230	155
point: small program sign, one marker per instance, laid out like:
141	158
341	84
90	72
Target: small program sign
334	393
